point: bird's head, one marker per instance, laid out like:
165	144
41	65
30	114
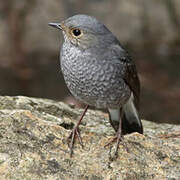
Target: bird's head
83	31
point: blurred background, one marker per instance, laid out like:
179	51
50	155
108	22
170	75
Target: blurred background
150	30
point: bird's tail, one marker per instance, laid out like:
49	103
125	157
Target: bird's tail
130	117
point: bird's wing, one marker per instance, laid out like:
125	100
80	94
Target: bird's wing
129	73
130	111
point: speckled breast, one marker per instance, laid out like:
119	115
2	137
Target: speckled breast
93	81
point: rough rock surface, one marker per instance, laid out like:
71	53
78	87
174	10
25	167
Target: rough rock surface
33	145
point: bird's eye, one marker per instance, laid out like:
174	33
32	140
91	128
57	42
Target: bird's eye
76	32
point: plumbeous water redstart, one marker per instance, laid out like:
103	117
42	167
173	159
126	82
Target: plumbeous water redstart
99	73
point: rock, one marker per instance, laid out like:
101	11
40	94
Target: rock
33	145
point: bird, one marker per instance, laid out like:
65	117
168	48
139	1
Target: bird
100	73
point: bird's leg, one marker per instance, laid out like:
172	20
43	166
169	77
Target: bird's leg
75	132
118	138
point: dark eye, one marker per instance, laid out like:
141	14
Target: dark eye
76	32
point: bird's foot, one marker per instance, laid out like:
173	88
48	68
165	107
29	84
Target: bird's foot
118	138
71	139
111	141
75	132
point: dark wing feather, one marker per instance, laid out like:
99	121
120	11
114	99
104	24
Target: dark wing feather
132	80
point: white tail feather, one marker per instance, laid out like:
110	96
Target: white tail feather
130	110
115	114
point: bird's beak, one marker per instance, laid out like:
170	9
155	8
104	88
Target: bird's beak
56	25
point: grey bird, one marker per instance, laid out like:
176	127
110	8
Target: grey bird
99	73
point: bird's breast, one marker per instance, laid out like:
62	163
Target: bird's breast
93	81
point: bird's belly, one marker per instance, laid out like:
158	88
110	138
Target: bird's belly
96	87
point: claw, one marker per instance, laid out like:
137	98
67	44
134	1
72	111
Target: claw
111	142
75	132
119	139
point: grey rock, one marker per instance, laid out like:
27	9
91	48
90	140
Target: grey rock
33	145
